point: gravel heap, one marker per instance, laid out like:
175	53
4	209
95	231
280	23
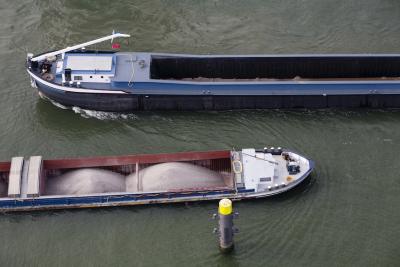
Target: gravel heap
86	181
173	175
159	177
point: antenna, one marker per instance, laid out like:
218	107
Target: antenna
112	39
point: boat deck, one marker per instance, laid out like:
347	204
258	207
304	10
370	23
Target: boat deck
141	67
283	172
124	70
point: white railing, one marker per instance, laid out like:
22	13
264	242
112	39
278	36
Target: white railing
106	38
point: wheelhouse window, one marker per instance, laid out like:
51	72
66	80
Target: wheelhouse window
265	179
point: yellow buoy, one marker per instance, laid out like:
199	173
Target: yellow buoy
225	206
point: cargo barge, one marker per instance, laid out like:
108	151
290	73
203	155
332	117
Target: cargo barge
37	184
130	81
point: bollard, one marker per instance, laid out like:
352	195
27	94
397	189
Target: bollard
225	222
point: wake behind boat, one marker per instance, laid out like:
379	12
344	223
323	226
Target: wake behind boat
128	81
37	184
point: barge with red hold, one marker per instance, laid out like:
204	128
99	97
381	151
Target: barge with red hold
130	81
38	184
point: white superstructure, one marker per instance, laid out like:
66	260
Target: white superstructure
259	169
269	169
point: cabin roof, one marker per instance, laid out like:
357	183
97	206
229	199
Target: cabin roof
92	62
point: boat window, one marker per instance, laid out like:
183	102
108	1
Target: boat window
78	78
265	179
67	73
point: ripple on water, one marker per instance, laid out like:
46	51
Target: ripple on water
346	215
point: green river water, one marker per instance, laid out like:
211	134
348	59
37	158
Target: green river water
346	214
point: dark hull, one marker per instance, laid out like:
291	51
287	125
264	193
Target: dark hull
134	102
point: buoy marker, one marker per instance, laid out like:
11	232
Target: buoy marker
225	229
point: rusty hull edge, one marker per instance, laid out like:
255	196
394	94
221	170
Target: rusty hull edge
133	159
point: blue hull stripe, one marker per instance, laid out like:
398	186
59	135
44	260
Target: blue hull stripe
103	199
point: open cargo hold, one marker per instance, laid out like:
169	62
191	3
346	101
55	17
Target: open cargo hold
275	67
35	184
135	165
4	176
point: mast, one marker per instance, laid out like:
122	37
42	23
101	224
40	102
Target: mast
109	37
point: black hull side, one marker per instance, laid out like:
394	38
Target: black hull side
132	102
90	101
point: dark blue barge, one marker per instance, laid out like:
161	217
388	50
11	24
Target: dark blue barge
38	184
129	81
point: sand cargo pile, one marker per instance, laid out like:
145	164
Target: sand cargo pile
173	175
159	177
85	181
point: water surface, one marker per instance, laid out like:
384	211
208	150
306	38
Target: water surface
346	214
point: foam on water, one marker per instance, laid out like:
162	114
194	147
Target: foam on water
87	113
55	103
348	216
58	104
103	115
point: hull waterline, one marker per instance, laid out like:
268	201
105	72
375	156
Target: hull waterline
127	102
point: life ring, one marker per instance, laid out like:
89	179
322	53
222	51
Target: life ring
237	171
289	178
